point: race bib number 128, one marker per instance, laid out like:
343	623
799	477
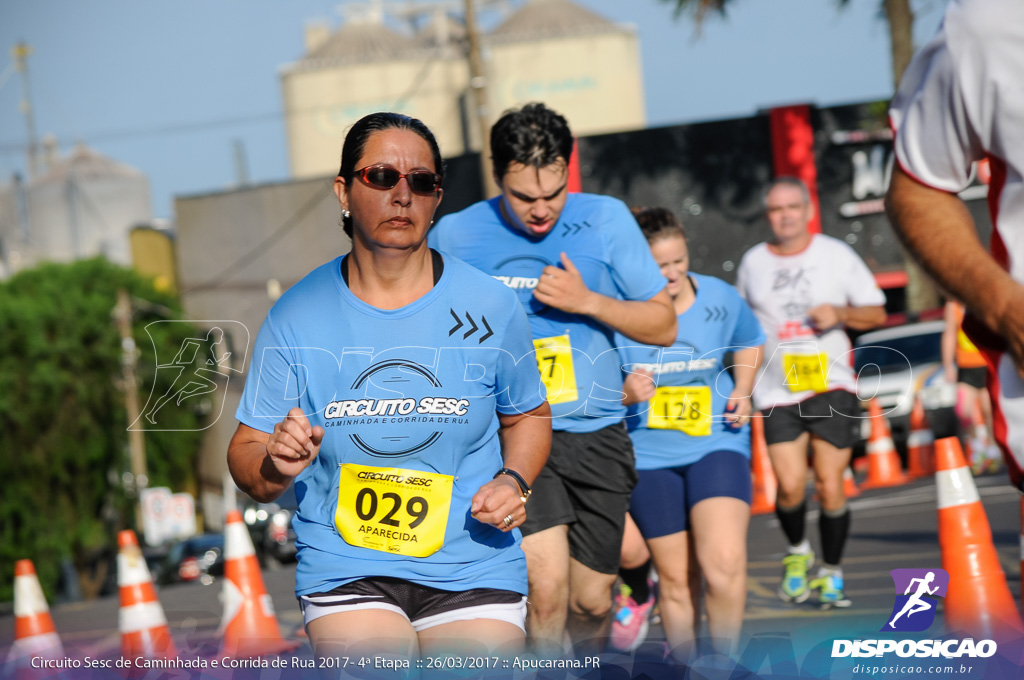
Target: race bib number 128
393	510
687	409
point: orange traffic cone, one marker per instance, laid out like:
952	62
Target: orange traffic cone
765	484
34	632
978	600
144	630
883	461
920	443
249	626
850	489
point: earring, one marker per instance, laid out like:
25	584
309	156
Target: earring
346	214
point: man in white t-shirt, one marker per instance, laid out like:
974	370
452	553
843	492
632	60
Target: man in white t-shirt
806	289
961	100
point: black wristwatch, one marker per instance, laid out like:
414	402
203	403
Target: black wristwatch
524	489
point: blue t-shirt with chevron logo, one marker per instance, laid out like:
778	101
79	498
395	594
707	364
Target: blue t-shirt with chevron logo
408	399
604	242
718	322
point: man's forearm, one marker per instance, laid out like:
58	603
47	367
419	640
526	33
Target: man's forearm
652	322
861	318
938	229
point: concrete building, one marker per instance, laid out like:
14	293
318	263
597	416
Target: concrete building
82	205
12	234
579	63
238	250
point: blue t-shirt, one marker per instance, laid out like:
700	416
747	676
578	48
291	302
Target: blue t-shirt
408	399
602	239
719	321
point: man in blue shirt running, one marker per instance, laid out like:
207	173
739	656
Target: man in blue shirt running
582	271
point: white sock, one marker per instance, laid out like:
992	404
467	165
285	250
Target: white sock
802	548
830	570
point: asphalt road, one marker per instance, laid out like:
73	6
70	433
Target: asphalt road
892	528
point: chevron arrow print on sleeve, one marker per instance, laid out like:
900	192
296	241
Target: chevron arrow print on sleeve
474	327
715	313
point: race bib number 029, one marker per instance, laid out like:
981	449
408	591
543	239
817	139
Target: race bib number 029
404	512
805	372
554	360
687	409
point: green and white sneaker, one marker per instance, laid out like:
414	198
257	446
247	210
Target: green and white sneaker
794	586
830	591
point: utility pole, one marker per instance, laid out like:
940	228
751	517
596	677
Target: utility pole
20	54
478	84
136	434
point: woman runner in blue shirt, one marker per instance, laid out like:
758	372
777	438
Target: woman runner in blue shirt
378	387
689	422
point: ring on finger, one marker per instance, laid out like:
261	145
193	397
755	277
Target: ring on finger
508	521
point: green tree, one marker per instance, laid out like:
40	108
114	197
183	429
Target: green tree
899	16
63	426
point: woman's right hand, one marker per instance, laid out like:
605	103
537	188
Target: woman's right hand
638	386
294	443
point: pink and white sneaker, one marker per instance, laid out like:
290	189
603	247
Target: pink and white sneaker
631	621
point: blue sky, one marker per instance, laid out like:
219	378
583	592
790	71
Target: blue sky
169	86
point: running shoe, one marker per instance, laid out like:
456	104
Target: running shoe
631	620
830	591
794	577
993	459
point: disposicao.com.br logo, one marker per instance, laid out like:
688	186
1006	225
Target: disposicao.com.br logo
914	611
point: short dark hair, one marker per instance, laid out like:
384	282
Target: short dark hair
658	223
533	135
359	134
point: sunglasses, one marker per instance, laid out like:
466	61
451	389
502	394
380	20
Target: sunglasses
386	177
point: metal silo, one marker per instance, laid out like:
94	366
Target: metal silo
85	205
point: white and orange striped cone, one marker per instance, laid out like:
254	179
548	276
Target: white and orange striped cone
765	485
978	601
143	626
850	489
34	632
249	625
920	443
883	461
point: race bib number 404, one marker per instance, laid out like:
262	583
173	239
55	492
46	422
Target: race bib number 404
554	360
404	512
805	372
687	409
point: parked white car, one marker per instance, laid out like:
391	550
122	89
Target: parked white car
896	364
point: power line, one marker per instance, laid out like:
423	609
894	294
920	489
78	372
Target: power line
199	126
162	130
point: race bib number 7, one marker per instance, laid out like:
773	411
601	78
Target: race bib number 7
554	361
404	512
687	409
805	372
